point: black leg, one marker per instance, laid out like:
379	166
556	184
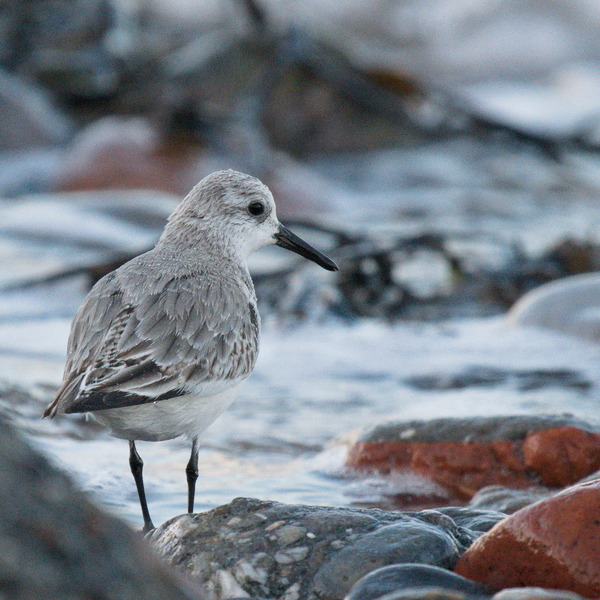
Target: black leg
137	466
191	472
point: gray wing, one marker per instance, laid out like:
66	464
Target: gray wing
195	334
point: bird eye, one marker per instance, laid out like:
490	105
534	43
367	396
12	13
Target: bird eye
256	208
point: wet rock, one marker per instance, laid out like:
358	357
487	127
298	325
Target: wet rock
402	542
62	44
507	500
56	544
534	593
128	152
484	376
267	549
470	521
570	305
419	579
562	455
28	118
553	543
424	582
43	237
464	455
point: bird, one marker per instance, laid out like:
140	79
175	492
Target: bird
160	346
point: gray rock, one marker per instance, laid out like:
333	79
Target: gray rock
56	544
484	376
296	552
61	44
535	593
28	118
482	429
44	233
416	578
425	593
401	542
507	500
477	521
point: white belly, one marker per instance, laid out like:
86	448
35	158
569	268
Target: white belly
186	415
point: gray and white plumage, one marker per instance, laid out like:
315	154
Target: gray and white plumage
177	327
160	347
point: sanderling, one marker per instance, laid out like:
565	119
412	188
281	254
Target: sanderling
160	347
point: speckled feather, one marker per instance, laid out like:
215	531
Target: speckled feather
178	320
160	347
190	334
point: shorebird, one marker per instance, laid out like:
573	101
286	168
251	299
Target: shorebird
160	346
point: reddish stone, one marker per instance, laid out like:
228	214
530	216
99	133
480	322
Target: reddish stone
553	457
554	543
128	153
461	467
563	455
465	467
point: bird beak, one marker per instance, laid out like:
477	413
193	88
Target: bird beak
290	241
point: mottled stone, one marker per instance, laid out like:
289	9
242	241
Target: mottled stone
553	543
464	455
300	552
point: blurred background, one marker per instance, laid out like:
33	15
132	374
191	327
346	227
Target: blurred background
445	152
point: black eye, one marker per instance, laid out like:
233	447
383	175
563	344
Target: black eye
256	208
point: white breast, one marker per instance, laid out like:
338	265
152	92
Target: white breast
186	415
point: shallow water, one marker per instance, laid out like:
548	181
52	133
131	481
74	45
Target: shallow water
315	381
312	384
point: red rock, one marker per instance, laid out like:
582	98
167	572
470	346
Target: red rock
461	467
554	543
125	153
554	457
563	455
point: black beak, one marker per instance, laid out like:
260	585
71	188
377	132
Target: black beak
290	241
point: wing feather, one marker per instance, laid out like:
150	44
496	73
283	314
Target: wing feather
198	334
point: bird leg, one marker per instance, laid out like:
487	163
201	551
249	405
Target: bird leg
191	472
137	465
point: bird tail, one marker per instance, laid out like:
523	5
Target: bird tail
67	391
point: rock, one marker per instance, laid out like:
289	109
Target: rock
507	500
414	577
56	544
553	543
62	44
483	376
464	455
562	455
44	239
401	542
569	305
534	593
271	550
127	152
28	118
470	520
